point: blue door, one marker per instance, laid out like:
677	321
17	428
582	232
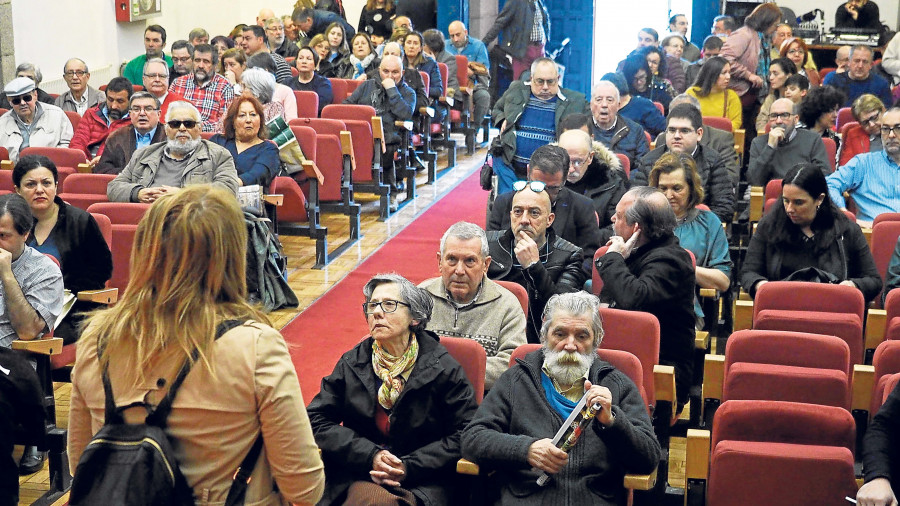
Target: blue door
573	19
450	11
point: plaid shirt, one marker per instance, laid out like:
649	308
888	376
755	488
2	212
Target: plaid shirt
537	29
212	99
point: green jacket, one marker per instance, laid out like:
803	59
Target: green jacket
511	105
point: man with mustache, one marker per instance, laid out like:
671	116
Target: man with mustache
208	91
512	429
103	119
183	159
530	253
772	155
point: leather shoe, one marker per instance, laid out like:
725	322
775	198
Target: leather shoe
398	187
32	460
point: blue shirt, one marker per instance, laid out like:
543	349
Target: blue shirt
704	236
142	141
873	180
874	84
474	51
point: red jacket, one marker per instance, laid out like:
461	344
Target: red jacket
854	142
92	131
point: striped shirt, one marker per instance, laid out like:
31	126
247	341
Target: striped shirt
535	128
873	180
41	284
212	99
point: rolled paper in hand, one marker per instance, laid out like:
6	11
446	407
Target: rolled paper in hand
571	431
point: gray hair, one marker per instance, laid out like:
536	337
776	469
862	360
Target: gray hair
271	21
860	47
684	98
181	105
75	59
465	231
156	60
419	300
607	83
143	95
260	83
656	220
543	59
31	67
577	304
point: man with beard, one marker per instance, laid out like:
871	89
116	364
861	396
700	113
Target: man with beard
469	305
511	431
646	269
871	178
772	155
154	43
182	60
183	159
103	119
278	41
530	253
208	91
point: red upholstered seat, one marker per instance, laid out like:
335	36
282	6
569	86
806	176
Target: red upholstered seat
307	104
626	164
719	122
358	121
831	149
472	358
637	333
124	218
517	290
885	233
890	384
293	210
82	190
844	116
886	362
338	90
6	181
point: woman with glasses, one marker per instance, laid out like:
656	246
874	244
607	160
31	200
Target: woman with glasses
711	89
805	237
389	417
796	50
699	230
865	136
779	71
643	71
819	110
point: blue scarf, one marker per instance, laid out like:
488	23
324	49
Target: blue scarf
558	401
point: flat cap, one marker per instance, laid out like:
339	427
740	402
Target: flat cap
18	86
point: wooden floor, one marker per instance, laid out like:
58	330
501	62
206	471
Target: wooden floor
309	284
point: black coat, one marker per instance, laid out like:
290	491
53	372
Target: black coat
657	278
881	446
559	271
120	145
426	422
713	172
605	187
516	413
515	21
574	221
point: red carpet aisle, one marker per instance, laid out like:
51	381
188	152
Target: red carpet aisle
335	323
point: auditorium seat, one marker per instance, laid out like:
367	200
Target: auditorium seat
460	106
124	218
307	104
844	116
82	190
517	290
473	359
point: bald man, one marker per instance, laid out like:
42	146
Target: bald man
460	43
772	155
264	14
646	269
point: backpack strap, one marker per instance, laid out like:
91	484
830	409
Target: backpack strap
161	413
238	489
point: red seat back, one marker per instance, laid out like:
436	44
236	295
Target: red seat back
6	181
719	122
626	164
806	296
844	116
306	137
517	290
124	218
62	157
121	213
4	153
884	241
321	126
659	106
886	362
831	149
886	217
637	333
472	358
358	121
846	128
329	159
105	226
74	118
307	104
338	90
87	183
293	209
462	70
890	384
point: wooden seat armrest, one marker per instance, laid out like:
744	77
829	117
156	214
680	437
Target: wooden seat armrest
312	171
378	132
739	135
743	314
464	466
6	165
447	100
696	462
104	296
713	376
701	340
876	324
44	346
275	199
743	295
709	293
867	233
862	387
427	111
84	168
406	125
757	202
664	381
640	481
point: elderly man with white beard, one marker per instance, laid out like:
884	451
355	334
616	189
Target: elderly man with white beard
183	159
512	429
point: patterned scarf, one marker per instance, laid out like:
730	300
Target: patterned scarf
359	66
392	371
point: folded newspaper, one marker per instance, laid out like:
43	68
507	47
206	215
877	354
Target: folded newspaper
288	148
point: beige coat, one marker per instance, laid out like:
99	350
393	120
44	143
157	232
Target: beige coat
215	419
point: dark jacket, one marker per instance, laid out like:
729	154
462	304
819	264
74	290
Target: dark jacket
723	143
93	131
644	113
320	85
657	278
626	137
426	422
574	221
422	13
604	183
287	49
120	145
717	183
559	271
323	18
395	104
515	21
881	446
337	68
847	256
510	106
436	84
516	413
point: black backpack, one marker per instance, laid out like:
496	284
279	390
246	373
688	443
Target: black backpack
134	464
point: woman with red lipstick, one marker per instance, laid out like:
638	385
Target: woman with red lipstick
65	232
255	159
807	230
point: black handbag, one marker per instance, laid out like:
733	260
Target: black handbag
813	275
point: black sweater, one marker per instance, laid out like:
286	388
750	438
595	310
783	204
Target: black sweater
881	446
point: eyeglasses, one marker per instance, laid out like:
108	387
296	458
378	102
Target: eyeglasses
873	120
682	131
176	124
536	186
138	110
887	129
388	306
157	76
79	73
574	162
796	50
275	29
22	98
544	82
782	115
182	59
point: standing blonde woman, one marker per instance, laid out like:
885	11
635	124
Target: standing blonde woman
242	385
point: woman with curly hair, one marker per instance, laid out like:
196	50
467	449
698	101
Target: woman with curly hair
818	112
639	75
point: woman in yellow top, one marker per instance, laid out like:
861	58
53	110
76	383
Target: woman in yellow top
711	89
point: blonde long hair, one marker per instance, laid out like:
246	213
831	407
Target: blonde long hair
188	274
